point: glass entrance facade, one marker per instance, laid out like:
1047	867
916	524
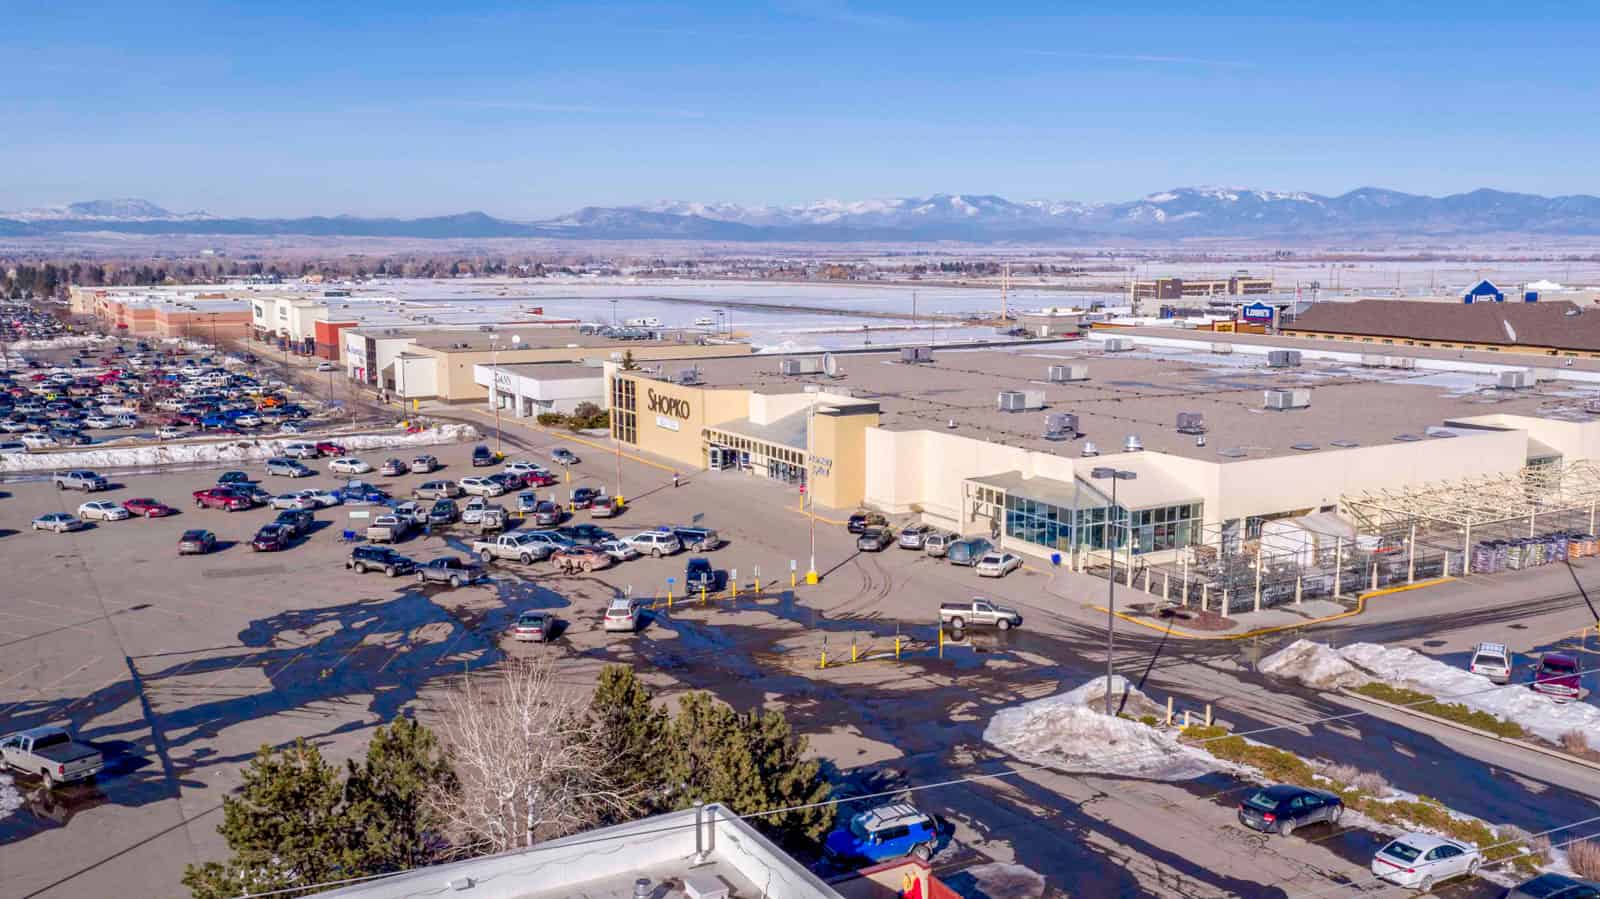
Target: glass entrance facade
1060	528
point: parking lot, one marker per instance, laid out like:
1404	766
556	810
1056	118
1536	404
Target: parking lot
179	668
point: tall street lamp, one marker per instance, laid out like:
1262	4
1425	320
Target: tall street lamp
494	388
1115	475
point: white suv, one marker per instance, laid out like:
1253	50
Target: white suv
1492	660
481	487
300	451
655	543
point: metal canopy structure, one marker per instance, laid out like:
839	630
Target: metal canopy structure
1551	494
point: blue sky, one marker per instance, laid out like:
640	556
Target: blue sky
531	109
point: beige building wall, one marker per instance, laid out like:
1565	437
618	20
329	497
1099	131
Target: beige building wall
838	435
456	384
671	416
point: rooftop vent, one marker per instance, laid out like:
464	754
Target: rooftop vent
1132	444
1117	344
1440	432
689	375
1191	423
951	424
1021	400
1283	400
1089	449
915	354
1304	447
704	886
1517	380
1283	359
1060	426
1343	443
1232	452
1408	438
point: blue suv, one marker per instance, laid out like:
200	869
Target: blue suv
887	832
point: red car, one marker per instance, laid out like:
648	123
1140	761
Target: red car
221	498
148	507
540	479
329	448
1557	675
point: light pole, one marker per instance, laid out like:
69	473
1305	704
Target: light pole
809	488
613	313
1115	474
494	388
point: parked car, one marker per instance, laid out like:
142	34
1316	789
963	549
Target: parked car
444	511
507	480
997	564
450	570
225	498
148	508
655	543
860	521
52	753
580	558
324	365
527	502
968	551
546	513
700	574
329	448
533	627
360	493
622	615
394	468
603	507
540	479
102	510
424	465
234	477
481	486
1557	675
297	521
481	456
938	543
621	550
1492	660
979	612
585	534
1420	860
270	538
1282	808
349	465
912	537
886	832
379	558
1555	886
322	497
292	501
526	547
301	450
79	479
564	456
436	490
60	522
874	540
196	543
288	468
523	466
583	496
699	540
389	529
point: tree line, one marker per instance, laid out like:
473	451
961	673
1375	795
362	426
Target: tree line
518	758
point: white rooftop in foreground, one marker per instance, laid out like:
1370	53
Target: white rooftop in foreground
680	858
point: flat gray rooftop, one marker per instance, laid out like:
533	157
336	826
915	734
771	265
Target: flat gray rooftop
1142	392
666	882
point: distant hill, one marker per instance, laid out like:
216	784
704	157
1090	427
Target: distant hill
1185	212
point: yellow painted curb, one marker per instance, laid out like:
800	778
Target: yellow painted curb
1361	606
822	518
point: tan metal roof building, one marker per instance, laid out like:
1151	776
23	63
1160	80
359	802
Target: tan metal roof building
1551	327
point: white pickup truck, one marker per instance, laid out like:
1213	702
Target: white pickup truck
78	479
519	545
51	753
978	612
389	528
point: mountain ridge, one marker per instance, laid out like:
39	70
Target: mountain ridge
1178	213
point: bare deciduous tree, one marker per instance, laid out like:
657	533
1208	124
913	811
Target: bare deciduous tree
526	759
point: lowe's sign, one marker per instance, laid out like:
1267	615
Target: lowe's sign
1257	312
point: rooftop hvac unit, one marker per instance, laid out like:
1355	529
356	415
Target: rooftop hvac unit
1283	359
1372	360
1060	426
804	366
913	354
1191	423
1060	374
1401	361
1132	444
689	376
1287	399
1516	380
1222	349
1021	400
1117	344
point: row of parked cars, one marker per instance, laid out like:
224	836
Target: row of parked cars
978	553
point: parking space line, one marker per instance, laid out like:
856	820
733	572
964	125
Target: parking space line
41	689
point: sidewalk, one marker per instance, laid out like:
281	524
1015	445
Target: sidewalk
1190	624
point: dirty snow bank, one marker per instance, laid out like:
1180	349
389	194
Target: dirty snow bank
1324	668
241	450
10	799
1066	731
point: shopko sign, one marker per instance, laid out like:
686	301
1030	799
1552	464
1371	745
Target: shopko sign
667	405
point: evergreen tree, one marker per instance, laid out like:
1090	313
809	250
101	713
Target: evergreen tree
627	361
386	795
630	736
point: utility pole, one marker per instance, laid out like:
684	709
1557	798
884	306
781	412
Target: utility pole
1005	282
1115	475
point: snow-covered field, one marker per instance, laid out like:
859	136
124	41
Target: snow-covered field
241	450
1067	731
1324	668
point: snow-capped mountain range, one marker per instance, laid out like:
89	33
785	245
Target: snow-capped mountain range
1178	213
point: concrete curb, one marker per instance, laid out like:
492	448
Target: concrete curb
1361	606
1464	728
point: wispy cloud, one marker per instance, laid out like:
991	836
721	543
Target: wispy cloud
839	12
1154	59
577	109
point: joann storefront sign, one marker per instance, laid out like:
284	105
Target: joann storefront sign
667	405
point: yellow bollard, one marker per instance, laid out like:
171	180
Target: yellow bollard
941	641
811	577
824	662
853	656
702	593
794	580
758	584
669	597
897	647
733	586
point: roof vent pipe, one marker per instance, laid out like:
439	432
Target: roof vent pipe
1132	444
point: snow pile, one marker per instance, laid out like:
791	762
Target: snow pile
1067	732
57	343
10	799
1537	713
1325	669
1314	665
224	451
